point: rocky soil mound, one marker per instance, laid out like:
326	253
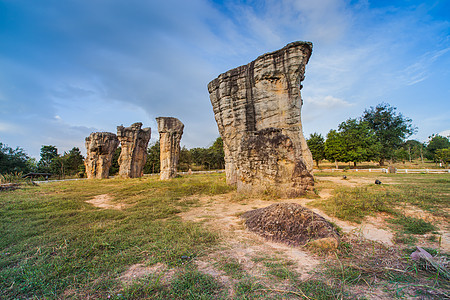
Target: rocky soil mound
289	223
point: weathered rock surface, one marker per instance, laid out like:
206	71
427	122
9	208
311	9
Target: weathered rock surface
170	132
257	109
134	142
100	148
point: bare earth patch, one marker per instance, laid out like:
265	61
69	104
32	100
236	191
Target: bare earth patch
140	270
220	214
105	201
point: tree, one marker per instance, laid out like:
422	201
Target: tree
316	145
14	160
334	147
114	169
218	155
391	129
185	160
437	142
358	141
153	163
415	149
73	161
443	155
48	153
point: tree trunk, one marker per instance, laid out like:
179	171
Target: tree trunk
409	152
337	167
381	162
354	164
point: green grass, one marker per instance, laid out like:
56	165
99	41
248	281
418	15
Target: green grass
54	245
353	204
52	241
413	225
429	192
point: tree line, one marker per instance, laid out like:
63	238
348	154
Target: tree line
380	134
71	163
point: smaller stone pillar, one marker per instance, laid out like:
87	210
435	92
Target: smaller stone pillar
100	148
134	142
170	132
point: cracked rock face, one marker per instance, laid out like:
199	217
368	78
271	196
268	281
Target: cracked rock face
170	132
257	108
100	148
134	142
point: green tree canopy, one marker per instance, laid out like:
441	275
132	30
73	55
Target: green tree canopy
48	153
437	142
153	163
358	140
415	149
334	146
14	160
316	144
114	169
391	129
73	161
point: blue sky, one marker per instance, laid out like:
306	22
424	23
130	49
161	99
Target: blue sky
69	68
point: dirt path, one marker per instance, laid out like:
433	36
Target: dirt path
221	214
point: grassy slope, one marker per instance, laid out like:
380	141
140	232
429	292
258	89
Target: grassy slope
52	241
55	245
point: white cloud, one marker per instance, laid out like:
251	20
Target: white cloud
327	102
445	133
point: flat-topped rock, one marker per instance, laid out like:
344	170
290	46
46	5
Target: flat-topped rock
257	108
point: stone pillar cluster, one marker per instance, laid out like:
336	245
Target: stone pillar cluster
134	140
257	108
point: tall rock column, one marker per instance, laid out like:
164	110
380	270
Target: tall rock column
257	108
134	142
170	132
100	148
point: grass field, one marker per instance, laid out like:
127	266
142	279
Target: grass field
55	245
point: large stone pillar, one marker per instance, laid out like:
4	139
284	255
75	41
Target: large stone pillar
134	142
100	148
170	132
257	109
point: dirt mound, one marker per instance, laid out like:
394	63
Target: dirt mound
289	223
